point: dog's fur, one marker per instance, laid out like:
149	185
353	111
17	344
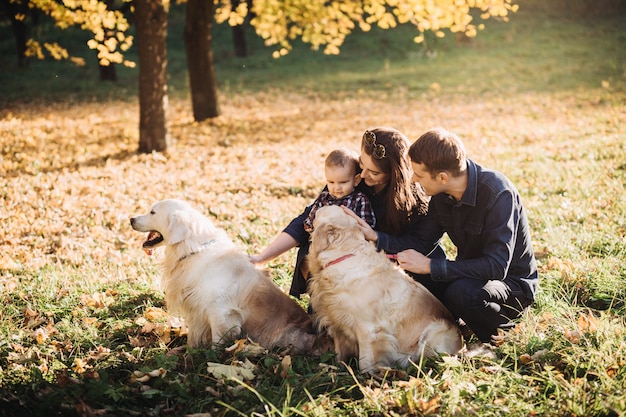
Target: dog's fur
371	308
214	286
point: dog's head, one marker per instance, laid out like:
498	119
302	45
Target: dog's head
331	227
168	223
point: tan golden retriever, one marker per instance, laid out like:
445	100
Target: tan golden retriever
215	288
371	308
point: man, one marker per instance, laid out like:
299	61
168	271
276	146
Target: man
494	276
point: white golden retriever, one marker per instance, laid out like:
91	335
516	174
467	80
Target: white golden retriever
215	288
371	308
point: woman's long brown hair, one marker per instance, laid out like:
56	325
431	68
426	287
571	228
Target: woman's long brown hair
402	197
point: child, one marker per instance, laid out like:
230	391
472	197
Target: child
342	176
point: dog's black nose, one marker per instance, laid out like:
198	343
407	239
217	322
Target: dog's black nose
132	221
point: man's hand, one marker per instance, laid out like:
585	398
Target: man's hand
370	234
413	261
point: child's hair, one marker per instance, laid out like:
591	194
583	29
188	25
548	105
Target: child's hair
343	157
439	150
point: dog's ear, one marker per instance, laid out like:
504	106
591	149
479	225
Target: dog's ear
323	236
178	227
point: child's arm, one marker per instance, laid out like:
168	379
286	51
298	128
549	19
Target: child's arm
281	244
293	235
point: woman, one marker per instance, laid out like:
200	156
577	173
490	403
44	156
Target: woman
398	203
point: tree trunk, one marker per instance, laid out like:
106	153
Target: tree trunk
108	72
151	21
15	8
239	41
199	50
239	34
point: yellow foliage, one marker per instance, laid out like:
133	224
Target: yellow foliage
107	26
111	44
329	22
278	22
471	31
387	21
331	50
33	48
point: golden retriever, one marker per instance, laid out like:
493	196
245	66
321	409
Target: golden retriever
214	286
371	308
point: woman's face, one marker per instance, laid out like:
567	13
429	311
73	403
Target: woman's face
371	173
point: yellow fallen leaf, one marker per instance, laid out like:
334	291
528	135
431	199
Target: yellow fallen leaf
243	371
246	346
97	300
80	366
89	321
99	353
285	366
237	346
155	313
587	323
142	378
160	373
525	358
40	335
572	335
429	406
148	328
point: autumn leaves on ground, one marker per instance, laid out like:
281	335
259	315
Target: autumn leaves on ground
70	259
84	329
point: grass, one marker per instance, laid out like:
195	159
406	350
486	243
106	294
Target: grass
83	326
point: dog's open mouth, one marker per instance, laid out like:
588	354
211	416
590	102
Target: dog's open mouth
153	239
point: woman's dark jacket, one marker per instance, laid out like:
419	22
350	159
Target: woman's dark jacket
411	238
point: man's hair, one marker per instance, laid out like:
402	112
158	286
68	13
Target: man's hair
343	157
439	150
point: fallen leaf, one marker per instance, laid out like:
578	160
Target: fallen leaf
239	370
285	366
100	353
525	358
155	313
80	366
237	346
429	406
587	323
573	336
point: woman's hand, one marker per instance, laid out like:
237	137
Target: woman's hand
413	261
370	234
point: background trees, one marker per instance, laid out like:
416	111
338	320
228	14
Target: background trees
320	23
327	23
